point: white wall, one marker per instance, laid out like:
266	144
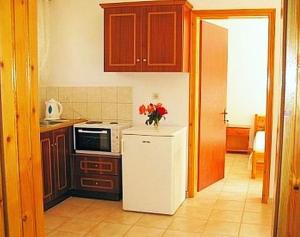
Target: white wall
247	68
76	55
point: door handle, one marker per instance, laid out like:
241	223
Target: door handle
224	116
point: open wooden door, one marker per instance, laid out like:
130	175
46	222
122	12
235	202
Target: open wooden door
287	214
213	88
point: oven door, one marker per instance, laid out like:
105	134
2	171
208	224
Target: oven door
93	139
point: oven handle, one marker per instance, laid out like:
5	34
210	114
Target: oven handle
89	131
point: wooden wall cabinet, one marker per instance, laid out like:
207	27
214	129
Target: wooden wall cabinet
147	36
97	176
55	149
237	139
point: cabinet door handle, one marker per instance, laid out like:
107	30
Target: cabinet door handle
138	60
144	60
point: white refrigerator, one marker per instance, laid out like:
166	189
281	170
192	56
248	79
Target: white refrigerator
154	165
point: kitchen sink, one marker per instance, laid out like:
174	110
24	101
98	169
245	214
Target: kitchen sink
52	122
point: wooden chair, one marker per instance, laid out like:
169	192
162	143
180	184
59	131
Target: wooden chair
258	153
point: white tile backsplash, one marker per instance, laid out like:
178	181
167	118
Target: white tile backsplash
93	103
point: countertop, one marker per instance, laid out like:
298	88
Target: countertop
64	124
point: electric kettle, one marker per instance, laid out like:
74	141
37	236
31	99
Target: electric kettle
54	110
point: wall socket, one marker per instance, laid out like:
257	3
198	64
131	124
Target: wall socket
155	96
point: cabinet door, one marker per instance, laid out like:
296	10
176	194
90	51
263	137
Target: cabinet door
48	165
122	39
62	160
162	39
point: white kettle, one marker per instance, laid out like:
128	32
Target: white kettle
54	110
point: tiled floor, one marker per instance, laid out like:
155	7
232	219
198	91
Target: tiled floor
230	207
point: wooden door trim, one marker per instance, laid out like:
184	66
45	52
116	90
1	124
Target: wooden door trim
194	90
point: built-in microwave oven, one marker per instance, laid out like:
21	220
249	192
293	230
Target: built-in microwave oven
93	137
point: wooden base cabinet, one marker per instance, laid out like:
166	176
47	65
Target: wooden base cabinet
151	36
55	148
97	176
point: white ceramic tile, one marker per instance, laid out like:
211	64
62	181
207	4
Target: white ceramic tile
80	94
65	94
52	93
109	111
109	94
125	112
124	95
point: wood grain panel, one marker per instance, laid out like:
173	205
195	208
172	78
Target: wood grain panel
122	39
61	154
35	117
23	117
47	163
287	213
162	38
9	154
96	165
213	93
99	183
61	161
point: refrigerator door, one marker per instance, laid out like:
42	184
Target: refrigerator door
148	174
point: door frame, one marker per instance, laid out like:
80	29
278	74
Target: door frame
199	15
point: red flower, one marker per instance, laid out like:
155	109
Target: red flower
161	110
150	108
142	109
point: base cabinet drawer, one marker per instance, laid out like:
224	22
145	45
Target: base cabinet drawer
84	164
101	183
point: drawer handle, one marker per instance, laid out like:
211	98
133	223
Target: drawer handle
146	142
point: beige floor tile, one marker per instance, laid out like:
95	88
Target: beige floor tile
64	234
52	222
139	231
65	210
106	204
193	212
207	195
123	217
94	214
222	228
80	202
262	218
223	215
205	234
77	226
199	202
232	196
188	225
155	221
229	205
258	207
248	230
173	233
235	188
105	229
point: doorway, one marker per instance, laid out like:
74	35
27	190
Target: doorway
195	83
233	72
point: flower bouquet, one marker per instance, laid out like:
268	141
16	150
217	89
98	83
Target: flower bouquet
155	113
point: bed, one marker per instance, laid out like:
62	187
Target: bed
258	153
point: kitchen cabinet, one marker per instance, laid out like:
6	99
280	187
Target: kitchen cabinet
97	176
55	151
237	139
147	36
